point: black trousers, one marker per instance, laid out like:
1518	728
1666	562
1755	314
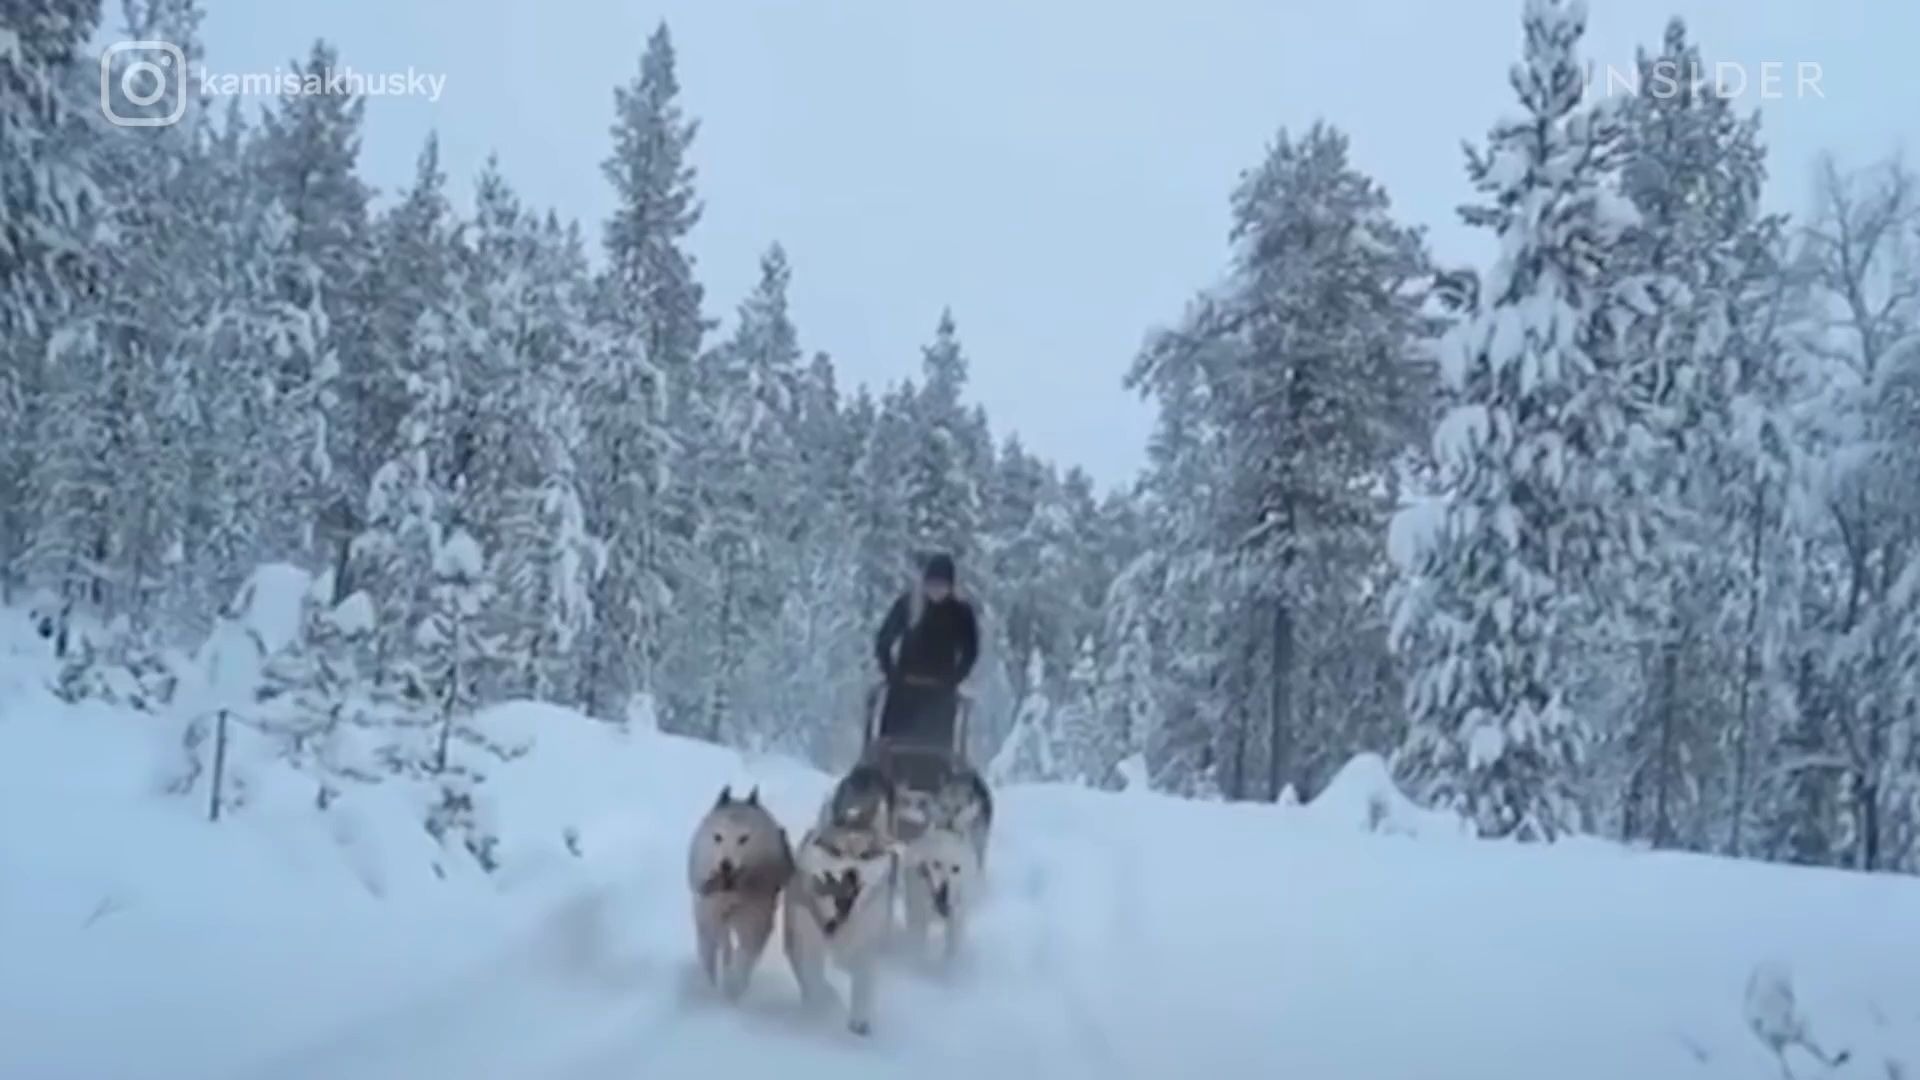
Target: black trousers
920	714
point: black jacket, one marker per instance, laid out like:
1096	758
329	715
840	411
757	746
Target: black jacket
941	647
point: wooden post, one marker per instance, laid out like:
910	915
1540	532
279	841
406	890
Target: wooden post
219	764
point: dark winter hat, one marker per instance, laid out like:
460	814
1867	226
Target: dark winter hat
939	568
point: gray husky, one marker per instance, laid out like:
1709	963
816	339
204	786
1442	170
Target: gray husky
738	864
865	799
840	908
940	874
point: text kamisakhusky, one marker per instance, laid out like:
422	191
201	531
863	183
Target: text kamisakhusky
343	81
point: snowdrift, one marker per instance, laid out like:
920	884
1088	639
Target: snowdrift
1125	935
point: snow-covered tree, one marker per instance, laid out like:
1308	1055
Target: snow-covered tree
320	698
531	292
306	157
648	330
1707	381
1031	752
942	499
1845	782
414	277
1130	704
49	205
1299	369
48	185
1513	532
744	458
886	549
653	289
1090	743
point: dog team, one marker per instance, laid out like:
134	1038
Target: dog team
835	892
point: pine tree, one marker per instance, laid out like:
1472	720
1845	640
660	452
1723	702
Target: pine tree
1491	734
455	650
410	505
744	458
320	699
1694	170
47	179
649	328
416	272
245	445
1301	362
307	153
110	492
1130	705
1178	496
942	500
1090	745
531	292
653	289
887	545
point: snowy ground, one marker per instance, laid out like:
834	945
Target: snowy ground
1124	936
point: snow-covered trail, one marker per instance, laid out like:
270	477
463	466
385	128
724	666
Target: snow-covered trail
606	986
1144	937
1123	935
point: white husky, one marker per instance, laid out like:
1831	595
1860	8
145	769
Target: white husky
839	906
942	874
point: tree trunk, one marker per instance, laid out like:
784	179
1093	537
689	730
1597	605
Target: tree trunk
1664	767
1869	797
1749	654
1280	707
219	765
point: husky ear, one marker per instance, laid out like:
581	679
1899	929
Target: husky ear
753	797
726	796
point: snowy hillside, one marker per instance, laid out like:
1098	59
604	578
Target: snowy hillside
1126	935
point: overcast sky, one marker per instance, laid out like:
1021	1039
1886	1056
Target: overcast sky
1055	171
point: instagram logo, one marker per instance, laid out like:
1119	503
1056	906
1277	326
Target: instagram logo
149	73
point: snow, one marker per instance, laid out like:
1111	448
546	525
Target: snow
1415	530
1362	797
263	617
459	556
1122	934
354	615
1460	435
1485	746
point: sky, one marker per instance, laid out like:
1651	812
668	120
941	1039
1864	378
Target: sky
1057	173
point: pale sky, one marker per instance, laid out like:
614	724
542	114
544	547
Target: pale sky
1055	170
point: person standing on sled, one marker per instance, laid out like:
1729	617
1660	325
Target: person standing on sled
926	646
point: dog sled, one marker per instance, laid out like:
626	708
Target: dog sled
919	770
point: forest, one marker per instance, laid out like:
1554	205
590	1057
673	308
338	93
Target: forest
1615	535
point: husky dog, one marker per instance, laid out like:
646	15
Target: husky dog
963	804
941	871
865	800
737	866
839	907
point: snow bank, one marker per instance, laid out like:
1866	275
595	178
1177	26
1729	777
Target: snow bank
141	939
1362	796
